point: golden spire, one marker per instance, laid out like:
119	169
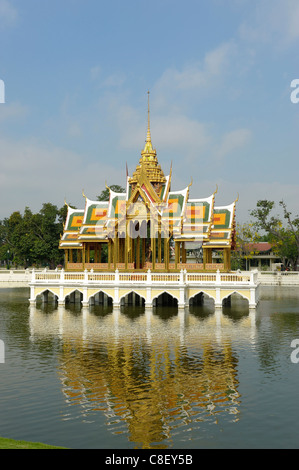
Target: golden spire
148	167
148	150
148	137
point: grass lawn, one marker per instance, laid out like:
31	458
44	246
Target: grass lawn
12	444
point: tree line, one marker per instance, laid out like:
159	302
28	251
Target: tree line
281	230
32	239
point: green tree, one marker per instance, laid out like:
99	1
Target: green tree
104	196
283	234
246	238
33	239
7	228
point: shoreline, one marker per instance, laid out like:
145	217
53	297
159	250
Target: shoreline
6	443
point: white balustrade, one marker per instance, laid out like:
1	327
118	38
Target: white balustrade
148	278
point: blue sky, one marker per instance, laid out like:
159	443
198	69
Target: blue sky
76	76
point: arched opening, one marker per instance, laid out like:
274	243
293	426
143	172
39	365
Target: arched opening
165	299
132	298
201	298
47	297
201	304
235	306
198	299
101	304
165	305
132	305
101	298
74	297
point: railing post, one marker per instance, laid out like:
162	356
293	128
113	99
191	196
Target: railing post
62	276
218	277
33	275
148	301
116	289
253	275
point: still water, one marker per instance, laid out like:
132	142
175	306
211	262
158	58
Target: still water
158	379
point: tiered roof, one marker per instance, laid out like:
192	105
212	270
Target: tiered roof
192	220
72	227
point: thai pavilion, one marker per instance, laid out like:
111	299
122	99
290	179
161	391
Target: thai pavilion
149	226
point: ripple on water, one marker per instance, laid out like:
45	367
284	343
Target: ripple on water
113	378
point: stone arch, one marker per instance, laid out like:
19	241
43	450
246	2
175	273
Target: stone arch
164	296
226	299
72	296
44	295
132	297
100	297
201	293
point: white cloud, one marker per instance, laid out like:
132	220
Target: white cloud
13	110
173	133
74	130
248	192
273	21
113	80
180	134
8	14
95	72
292	19
176	86
32	173
232	141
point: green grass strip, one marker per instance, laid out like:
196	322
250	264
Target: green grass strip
13	444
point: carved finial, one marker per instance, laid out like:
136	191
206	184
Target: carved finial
148	149
148	137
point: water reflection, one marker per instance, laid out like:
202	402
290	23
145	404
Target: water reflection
152	374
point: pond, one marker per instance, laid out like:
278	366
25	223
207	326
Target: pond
160	378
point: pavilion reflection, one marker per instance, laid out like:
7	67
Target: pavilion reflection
148	376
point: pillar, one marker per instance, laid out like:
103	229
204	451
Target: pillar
226	255
126	248
166	253
159	247
115	252
176	256
138	252
183	253
84	255
109	253
207	256
66	261
153	245
143	251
